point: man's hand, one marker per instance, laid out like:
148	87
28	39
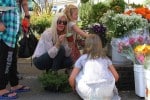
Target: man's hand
2	27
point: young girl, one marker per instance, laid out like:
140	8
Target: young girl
94	76
71	12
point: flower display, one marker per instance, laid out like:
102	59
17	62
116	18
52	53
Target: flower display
120	24
142	53
143	11
129	45
100	30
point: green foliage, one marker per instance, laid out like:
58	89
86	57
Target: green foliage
133	5
147	2
118	6
84	13
40	22
57	82
97	11
41	17
91	13
84	1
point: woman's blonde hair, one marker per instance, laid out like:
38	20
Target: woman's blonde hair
69	11
54	25
93	47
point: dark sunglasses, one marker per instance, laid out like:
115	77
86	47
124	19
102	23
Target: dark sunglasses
62	22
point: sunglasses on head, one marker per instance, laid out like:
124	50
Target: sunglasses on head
62	22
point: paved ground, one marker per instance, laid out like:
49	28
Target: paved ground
30	74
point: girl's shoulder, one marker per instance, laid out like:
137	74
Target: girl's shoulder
84	56
71	23
105	60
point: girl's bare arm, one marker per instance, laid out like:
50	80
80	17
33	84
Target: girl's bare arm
114	72
79	31
72	77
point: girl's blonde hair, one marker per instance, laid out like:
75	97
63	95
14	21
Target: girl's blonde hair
54	25
93	47
69	11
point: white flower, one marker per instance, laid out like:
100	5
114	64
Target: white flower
120	24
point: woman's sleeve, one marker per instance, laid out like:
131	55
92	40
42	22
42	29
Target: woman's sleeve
67	50
49	45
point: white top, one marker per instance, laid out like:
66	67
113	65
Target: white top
94	71
46	44
70	30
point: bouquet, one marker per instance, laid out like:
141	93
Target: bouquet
119	25
126	46
142	53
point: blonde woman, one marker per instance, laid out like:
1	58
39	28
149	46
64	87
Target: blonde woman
71	12
52	51
94	76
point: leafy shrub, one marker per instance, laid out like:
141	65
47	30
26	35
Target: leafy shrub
97	11
84	12
40	22
118	6
84	1
55	82
41	17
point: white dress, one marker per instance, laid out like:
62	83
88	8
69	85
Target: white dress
95	81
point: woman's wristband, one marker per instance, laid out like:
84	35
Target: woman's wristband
27	16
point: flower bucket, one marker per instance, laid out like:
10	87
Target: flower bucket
147	80
117	58
139	80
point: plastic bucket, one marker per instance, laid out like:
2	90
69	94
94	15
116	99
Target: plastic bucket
139	80
147	80
117	58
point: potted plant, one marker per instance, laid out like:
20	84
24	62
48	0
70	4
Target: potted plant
55	82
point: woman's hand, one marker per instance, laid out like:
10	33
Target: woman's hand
2	27
61	38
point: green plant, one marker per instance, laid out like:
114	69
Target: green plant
56	82
84	13
41	17
133	5
118	6
40	22
84	1
97	11
120	24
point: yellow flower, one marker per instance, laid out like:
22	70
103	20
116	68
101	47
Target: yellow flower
143	49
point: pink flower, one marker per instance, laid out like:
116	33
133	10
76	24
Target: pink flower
140	39
140	58
132	41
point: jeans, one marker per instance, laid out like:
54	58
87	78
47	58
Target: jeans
44	62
